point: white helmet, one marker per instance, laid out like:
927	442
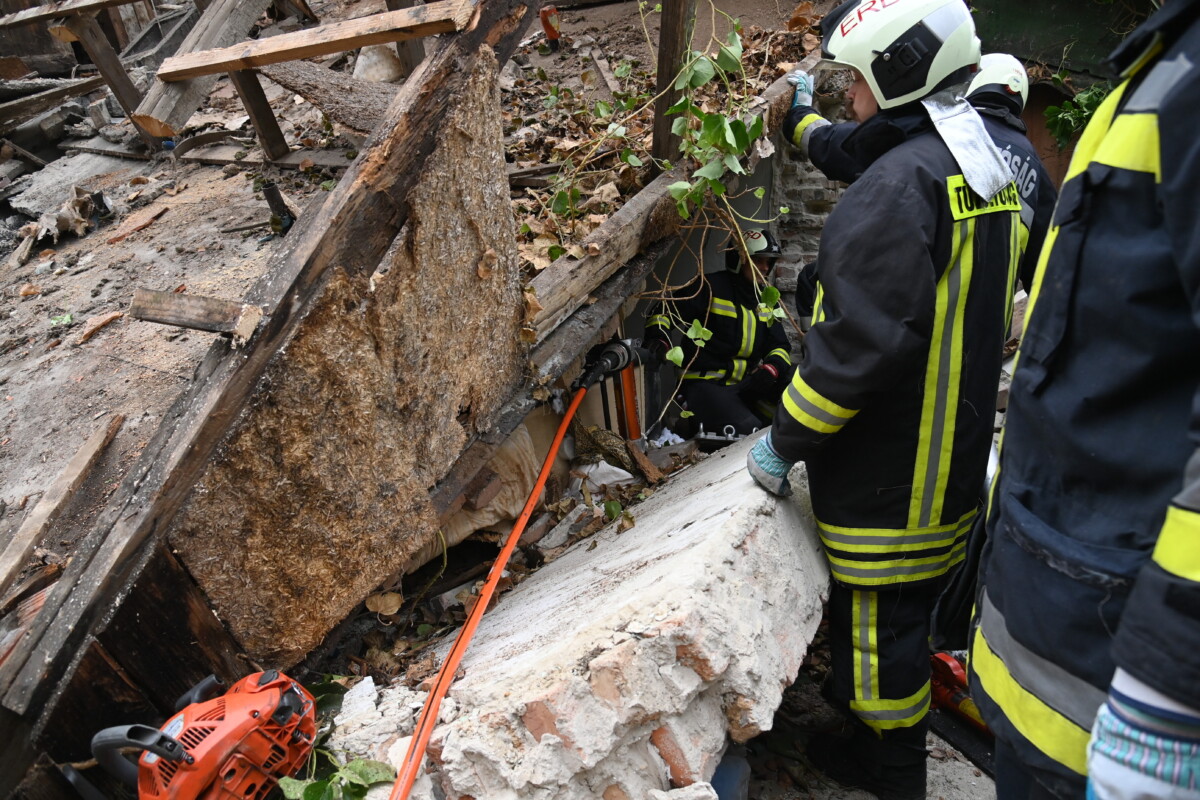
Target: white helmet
905	49
1002	74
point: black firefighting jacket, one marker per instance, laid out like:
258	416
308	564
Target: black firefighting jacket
1093	555
827	153
743	336
892	403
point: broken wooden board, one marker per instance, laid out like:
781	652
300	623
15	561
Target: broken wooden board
167	106
220	154
15	112
348	101
34	527
50	11
195	312
347	237
446	16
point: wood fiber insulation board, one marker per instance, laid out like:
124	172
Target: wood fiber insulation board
351	232
445	16
324	488
166	107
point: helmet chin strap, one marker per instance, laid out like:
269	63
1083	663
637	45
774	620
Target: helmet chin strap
961	128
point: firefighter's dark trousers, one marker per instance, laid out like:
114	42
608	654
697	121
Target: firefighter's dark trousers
880	672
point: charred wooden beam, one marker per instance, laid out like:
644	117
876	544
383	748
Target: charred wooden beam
197	313
446	16
167	106
270	137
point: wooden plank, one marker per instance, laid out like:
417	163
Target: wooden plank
196	312
167	106
15	112
103	147
108	62
49	11
411	52
674	37
103	696
446	16
237	154
270	137
355	103
165	636
27	537
352	230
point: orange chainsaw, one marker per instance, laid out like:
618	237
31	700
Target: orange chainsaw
236	745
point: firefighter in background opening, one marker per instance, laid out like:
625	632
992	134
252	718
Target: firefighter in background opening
891	402
1088	622
736	378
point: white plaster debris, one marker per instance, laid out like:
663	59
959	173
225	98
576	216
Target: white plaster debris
621	670
696	791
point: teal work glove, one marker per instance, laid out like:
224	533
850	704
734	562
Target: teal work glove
804	87
768	468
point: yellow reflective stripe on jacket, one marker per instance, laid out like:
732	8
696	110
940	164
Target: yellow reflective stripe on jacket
780	352
749	327
1178	547
724	308
802	126
659	321
939	412
1132	143
813	410
818	313
739	370
1024	685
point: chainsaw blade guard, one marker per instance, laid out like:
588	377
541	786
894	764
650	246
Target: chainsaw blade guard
237	745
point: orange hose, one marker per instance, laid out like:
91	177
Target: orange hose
629	409
428	719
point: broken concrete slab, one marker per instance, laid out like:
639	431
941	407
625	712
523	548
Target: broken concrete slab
625	666
53	185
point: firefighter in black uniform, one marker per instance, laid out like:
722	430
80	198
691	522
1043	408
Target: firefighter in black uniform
736	377
891	403
998	91
1088	622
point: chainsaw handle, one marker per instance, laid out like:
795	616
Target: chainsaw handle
203	691
108	743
